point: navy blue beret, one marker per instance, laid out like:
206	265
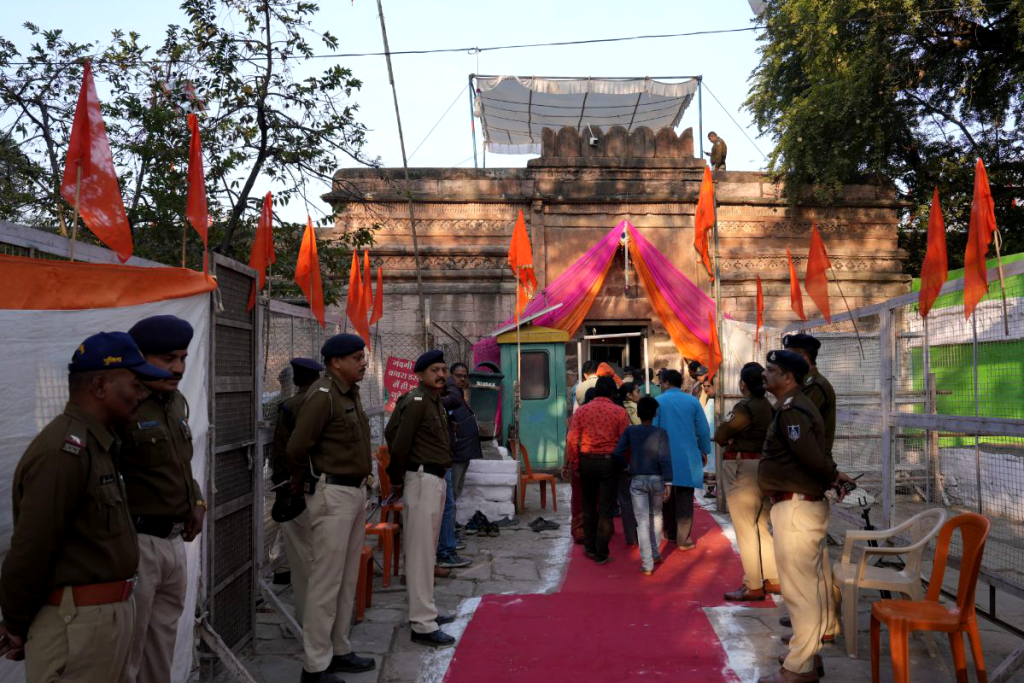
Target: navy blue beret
110	351
306	364
161	334
305	371
790	362
341	345
801	341
428	359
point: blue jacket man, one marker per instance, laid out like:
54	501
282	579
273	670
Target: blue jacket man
689	439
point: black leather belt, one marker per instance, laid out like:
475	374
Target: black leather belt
596	456
436	470
158	525
342	480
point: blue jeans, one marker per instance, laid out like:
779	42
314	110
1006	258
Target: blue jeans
647	492
446	539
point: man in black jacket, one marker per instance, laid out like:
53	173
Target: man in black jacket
464	433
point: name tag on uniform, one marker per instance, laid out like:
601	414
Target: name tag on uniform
324	389
149	424
107	478
417	398
73	445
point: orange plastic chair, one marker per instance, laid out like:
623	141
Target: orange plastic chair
904	616
387	534
383	459
364	586
529	477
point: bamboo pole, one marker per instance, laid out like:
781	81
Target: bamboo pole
74	221
835	278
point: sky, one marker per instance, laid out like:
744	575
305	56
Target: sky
429	84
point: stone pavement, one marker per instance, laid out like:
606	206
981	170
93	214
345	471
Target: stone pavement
522	561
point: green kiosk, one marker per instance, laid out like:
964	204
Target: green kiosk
543	410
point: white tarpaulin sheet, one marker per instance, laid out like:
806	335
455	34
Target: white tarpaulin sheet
37	348
514	109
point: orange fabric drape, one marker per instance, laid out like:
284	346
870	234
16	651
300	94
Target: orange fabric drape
378	300
43	285
195	204
520	259
262	253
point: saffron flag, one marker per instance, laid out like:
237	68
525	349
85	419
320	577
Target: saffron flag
760	313
195	207
356	307
935	268
714	348
89	159
262	253
378	301
307	273
979	236
796	299
816	277
520	258
704	220
366	290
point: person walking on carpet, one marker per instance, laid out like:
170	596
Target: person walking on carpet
644	453
689	438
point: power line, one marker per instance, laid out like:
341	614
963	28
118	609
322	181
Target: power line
439	121
727	113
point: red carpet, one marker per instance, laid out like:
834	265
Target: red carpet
609	623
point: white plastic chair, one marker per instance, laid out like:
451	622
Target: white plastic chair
851	576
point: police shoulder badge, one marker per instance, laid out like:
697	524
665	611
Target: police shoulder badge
809	381
73	444
728	418
794	432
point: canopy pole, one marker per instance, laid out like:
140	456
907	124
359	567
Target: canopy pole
700	128
408	188
472	119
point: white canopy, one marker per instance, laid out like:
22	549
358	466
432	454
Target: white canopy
514	110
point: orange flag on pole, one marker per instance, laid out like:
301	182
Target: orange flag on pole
816	277
704	220
760	314
195	207
378	301
520	258
356	307
90	181
307	273
714	348
979	236
262	253
366	290
935	269
796	299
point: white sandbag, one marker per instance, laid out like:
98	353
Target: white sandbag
495	494
474	479
479	466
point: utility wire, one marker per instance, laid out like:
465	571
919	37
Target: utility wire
457	97
727	113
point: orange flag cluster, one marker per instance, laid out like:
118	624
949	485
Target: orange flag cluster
361	299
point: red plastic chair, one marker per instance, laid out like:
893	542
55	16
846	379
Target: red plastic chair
388	535
529	477
383	459
364	586
904	616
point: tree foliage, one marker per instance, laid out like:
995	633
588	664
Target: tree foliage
270	119
912	91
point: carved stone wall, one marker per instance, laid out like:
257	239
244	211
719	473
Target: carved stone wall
574	193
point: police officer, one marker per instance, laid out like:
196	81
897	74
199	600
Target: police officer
816	386
417	437
165	501
66	584
329	453
795	471
289	510
743	434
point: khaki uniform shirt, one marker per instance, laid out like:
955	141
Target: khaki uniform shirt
71	523
331	432
745	427
718	153
794	458
823	396
419	435
156	459
581	388
287	413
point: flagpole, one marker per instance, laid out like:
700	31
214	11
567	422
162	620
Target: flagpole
720	397
835	278
517	390
184	241
74	221
1002	283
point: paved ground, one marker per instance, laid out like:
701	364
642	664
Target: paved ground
522	561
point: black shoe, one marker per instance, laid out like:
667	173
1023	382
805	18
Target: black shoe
319	677
477	523
785	622
453	561
589	555
443	619
436	639
351	664
602	560
493	530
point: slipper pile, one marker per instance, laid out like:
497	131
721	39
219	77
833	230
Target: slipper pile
541	524
478	524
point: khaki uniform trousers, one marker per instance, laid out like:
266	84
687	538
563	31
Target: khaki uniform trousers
298	550
80	644
806	583
159	602
750	509
337	527
423	495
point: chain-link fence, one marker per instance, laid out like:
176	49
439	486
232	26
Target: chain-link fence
931	412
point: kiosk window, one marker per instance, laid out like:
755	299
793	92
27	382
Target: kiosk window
536	378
